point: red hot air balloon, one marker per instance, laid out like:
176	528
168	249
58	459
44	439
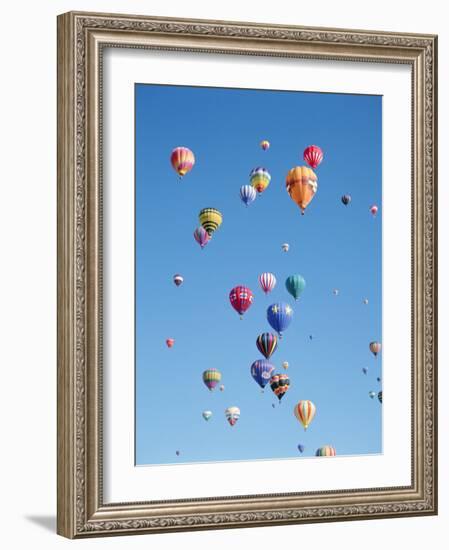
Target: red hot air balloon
374	209
241	298
313	155
170	342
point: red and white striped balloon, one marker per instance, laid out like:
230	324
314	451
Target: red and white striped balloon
313	155
267	282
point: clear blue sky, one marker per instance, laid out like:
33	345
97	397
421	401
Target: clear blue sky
332	246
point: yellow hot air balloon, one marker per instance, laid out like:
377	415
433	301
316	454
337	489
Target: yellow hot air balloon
210	219
304	412
302	184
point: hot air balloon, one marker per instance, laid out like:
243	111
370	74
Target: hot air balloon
273	405
170	342
375	348
302	184
267	282
379	396
267	343
178	453
261	371
372	394
335	292
248	194
222	388
207	415
346	199
182	160
327	450
365	301
241	298
285	365
201	236
232	415
373	209
378	379
310	336
295	284
304	412
365	370
279	383
313	155
265	144
279	316
301	447
178	279
285	247
211	377
210	219
260	179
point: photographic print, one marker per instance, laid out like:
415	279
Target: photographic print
258	274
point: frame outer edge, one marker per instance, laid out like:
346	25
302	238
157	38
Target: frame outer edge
66	428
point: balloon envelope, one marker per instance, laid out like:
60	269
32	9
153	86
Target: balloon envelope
248	194
241	298
261	371
207	415
232	415
260	179
267	282
346	199
285	247
210	219
305	412
327	450
267	343
170	342
375	348
301	448
265	144
182	160
178	279
295	284
279	383
301	184
201	236
313	155
211	377
279	316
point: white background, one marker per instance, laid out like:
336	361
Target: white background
28	274
125	483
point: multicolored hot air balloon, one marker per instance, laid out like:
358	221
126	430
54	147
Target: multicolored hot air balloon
267	343
285	365
210	219
265	144
375	348
295	284
305	412
232	415
248	194
241	299
207	415
301	184
279	316
170	342
267	282
373	209
178	279
285	247
182	159
372	394
260	179
301	447
201	236
313	155
327	450
261	371
279	383
346	199
211	377
379	396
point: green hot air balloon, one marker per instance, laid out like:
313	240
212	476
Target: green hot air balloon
295	285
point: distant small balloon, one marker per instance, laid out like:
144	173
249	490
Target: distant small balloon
311	337
327	450
207	415
374	209
285	365
178	279
365	301
232	415
346	199
170	342
365	370
285	247
379	396
265	144
372	394
301	448
375	348
335	292
378	379
222	388
273	405
177	453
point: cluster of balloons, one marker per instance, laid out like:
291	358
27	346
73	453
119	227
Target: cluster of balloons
259	180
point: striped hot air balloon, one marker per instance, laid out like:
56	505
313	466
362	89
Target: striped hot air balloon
178	279
210	219
267	282
305	412
313	155
375	348
261	371
201	236
248	194
232	415
260	179
265	144
241	299
301	184
267	343
327	450
379	396
211	377
280	383
182	160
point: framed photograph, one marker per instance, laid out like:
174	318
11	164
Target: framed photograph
247	274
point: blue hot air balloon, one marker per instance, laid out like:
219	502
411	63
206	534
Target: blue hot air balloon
261	371
279	316
248	194
301	447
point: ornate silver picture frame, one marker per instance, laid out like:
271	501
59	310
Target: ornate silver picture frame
82	41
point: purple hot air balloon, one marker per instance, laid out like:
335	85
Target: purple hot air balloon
202	237
261	371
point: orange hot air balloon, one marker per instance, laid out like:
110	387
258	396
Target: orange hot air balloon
170	342
302	184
